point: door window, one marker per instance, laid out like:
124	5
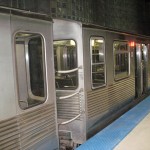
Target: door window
121	59
29	50
98	77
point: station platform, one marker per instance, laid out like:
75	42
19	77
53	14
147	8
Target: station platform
129	132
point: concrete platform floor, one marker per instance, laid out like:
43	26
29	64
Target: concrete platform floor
138	138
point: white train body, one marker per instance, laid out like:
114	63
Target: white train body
27	119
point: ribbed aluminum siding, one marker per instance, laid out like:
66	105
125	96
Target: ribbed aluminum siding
36	125
28	129
9	135
70	107
104	99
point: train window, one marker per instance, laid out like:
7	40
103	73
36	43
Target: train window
29	52
121	59
65	58
98	78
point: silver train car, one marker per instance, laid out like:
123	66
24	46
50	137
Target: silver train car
27	83
62	81
99	74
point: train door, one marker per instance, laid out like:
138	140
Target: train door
141	69
35	88
68	57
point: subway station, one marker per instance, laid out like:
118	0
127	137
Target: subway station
75	75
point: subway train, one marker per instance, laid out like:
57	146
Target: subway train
62	80
99	74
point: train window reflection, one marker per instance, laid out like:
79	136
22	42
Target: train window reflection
30	69
65	60
121	59
98	62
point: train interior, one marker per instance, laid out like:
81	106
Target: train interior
65	58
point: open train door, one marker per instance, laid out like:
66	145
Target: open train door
141	69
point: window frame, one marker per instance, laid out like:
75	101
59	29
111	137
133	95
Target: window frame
129	59
41	100
104	62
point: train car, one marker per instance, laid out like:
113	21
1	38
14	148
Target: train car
27	87
99	74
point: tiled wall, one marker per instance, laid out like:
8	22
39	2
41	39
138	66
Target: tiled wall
127	15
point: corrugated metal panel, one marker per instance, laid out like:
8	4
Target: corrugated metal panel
27	129
36	125
104	99
70	107
9	134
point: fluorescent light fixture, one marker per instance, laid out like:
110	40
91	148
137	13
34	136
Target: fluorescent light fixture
72	43
100	41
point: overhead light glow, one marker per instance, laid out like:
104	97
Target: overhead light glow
92	42
72	43
132	44
102	54
100	41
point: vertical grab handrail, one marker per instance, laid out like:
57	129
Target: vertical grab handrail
71	120
68	96
71	95
69	71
